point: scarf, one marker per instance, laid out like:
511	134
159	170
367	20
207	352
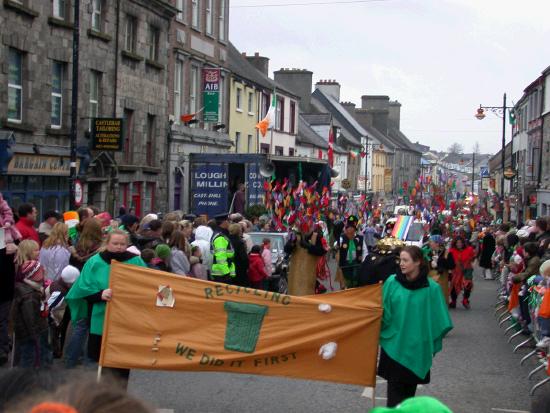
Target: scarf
117	256
420	282
352	251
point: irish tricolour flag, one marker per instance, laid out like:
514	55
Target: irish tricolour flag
269	120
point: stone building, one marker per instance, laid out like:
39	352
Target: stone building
122	74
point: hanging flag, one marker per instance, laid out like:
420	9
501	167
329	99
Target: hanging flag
320	154
269	120
190	116
353	154
331	147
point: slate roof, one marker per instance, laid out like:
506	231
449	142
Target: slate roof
383	139
317	118
307	136
240	67
404	142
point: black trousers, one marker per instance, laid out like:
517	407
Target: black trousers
398	392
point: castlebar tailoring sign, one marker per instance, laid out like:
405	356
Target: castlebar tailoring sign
107	134
211	94
161	321
26	164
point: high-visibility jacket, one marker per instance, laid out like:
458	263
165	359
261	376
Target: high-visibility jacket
223	256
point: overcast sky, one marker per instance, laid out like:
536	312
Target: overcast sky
439	58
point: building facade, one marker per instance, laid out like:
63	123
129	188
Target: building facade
122	74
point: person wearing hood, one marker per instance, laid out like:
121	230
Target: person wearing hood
414	323
203	235
90	293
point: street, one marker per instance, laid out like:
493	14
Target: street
475	372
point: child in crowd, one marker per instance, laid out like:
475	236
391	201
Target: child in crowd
148	256
197	269
29	312
162	252
256	268
266	256
543	318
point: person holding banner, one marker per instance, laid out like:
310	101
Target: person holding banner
414	322
91	291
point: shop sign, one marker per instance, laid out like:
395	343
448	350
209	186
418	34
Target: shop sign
26	164
255	185
107	134
211	94
78	193
346	183
209	189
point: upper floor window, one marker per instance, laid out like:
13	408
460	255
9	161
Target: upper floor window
131	33
193	89
15	85
292	117
221	21
221	98
178	74
180	5
150	141
239	98
95	80
209	16
195	15
59	9
154	38
250	102
280	117
96	15
57	94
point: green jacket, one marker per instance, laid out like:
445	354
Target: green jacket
223	256
93	279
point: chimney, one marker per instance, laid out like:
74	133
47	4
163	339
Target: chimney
330	88
378	107
259	62
299	82
350	107
395	114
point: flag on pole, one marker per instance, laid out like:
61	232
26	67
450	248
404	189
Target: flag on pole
331	147
269	120
190	116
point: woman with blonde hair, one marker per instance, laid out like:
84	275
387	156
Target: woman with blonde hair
55	254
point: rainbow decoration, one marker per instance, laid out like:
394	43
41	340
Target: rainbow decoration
401	227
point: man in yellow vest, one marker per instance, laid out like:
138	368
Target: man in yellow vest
223	265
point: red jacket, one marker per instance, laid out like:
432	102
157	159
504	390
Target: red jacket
256	268
27	230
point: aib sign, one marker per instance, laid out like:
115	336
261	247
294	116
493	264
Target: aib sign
211	94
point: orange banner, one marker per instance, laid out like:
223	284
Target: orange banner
161	321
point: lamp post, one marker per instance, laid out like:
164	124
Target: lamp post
74	104
499	111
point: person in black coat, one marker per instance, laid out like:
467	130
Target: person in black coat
487	250
382	261
350	255
241	257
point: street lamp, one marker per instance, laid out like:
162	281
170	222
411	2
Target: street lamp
499	111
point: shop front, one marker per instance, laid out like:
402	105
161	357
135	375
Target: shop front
42	180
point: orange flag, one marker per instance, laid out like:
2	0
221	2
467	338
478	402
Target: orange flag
158	320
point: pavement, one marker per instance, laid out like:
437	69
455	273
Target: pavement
475	372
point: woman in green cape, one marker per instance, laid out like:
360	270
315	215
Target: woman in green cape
414	322
88	296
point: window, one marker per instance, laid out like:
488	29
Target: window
193	88
96	15
150	141
178	73
290	151
264	148
292	117
221	21
154	35
239	99
57	94
131	32
195	15
181	13
95	78
279	150
209	15
280	118
251	103
149	200
15	86
59	9
250	144
128	136
237	141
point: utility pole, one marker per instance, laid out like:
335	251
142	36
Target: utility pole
74	104
473	168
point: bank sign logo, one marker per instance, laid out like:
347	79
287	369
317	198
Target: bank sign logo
211	94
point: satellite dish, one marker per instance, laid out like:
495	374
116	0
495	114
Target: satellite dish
267	169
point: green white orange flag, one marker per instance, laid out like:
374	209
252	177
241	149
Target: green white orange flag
269	120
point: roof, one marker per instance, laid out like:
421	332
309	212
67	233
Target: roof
307	136
401	139
317	118
383	139
240	67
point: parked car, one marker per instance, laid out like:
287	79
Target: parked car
279	260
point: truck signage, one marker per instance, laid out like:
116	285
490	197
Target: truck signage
209	189
254	185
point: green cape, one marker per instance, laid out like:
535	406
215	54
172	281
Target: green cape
419	404
93	279
413	324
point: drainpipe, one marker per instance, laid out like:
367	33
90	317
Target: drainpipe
539	178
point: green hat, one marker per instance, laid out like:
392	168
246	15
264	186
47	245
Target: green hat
162	251
420	404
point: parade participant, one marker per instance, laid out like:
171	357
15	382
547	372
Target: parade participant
240	257
30	323
414	322
382	261
463	273
350	255
178	262
488	245
256	269
27	219
223	265
91	290
55	254
441	262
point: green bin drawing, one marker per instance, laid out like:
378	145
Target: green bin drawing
244	322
